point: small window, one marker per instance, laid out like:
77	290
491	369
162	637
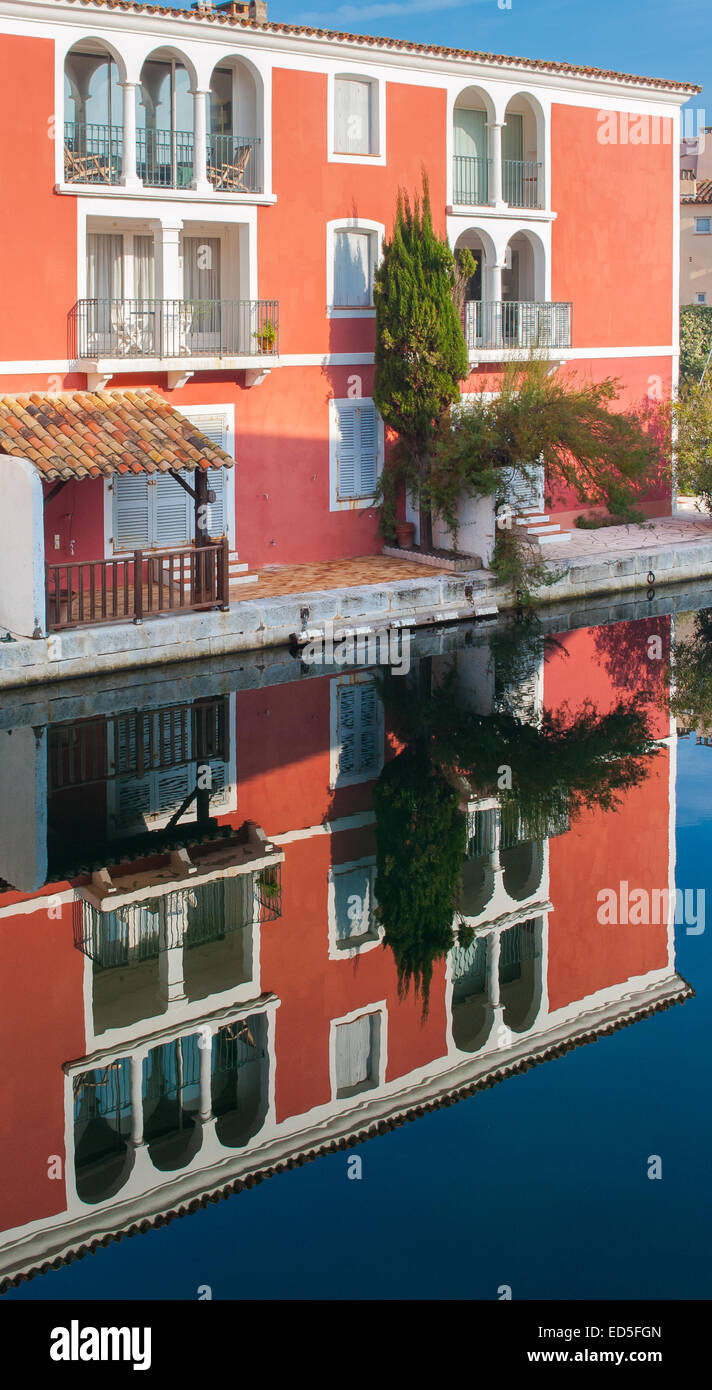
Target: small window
701	298
703	225
354	263
357	1048
353	116
357	449
357	738
354	906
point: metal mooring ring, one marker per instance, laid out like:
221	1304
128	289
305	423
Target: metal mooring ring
651	594
651	577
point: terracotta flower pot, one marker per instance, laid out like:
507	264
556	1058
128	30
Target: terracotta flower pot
405	534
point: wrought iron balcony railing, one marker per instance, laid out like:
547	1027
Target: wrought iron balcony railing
164	158
514	324
233	163
92	153
470	180
521	183
173	328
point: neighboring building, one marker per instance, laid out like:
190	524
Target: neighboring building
196	204
695	240
183	1009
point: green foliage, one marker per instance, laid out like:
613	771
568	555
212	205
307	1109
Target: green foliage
560	764
695	341
520	565
421	355
601	454
693	446
421	840
691	699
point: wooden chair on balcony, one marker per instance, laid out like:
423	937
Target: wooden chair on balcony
230	174
87	168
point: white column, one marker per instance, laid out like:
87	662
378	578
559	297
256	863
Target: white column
205	1050
129	177
494	130
169	261
170	944
200	173
493	951
136	1066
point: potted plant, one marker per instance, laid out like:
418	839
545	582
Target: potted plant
266	335
405	534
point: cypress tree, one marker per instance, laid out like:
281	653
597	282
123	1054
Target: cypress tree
421	355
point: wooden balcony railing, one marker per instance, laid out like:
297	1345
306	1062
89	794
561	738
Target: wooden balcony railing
84	593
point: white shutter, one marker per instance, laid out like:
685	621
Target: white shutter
368	429
353	899
354	1049
131	512
346	728
357	429
368	722
347	466
215	428
172	512
352	116
353	261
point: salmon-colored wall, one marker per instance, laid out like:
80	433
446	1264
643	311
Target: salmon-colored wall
38	229
612	247
41	1026
76	513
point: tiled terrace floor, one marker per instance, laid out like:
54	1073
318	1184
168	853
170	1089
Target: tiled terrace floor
619	540
330	574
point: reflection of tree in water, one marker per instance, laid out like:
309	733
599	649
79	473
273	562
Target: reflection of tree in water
625	652
568	760
691	700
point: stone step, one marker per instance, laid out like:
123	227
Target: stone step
555	537
548	528
534	519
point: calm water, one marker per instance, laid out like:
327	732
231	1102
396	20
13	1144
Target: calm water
388	895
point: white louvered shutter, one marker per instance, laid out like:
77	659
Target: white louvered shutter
132	528
346	729
368	726
368	439
354	1063
173	509
214	427
347	461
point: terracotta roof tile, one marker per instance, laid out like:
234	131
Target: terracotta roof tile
74	433
399	45
702	194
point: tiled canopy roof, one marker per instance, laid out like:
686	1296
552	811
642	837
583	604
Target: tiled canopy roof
702	194
218	17
87	434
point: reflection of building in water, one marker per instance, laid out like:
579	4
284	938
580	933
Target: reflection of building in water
201	1013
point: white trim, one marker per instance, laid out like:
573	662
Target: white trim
351	224
378	116
341	950
380	1009
349	504
329	827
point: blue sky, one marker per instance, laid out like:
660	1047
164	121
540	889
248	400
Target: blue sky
657	38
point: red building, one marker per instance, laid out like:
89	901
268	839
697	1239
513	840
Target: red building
197	202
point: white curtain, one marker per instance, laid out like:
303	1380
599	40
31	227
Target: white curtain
353	278
105	278
144	267
352	116
201	267
353	1052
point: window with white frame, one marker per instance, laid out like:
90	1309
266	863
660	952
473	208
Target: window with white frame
155	512
148	800
355	254
356	448
356	1054
356	730
703	225
354	904
355	116
701	297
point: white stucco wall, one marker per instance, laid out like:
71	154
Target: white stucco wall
22	584
476	529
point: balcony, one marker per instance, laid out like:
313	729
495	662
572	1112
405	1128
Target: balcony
473	183
515	324
471	180
521	182
168	330
93	154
